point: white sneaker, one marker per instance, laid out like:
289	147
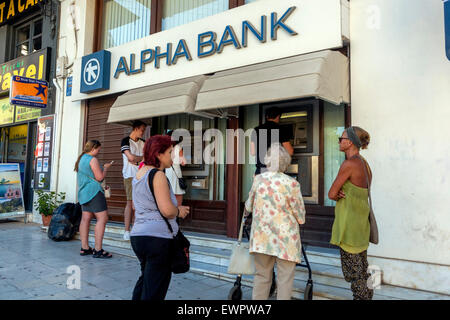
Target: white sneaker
126	235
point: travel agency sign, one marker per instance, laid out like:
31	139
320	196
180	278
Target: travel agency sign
257	32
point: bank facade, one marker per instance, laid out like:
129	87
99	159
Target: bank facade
220	65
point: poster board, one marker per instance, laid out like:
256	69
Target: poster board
11	195
43	152
28	92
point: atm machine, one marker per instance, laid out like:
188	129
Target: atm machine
301	119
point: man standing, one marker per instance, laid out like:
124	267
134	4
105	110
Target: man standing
132	148
264	133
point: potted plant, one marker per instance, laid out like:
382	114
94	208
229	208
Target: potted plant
47	202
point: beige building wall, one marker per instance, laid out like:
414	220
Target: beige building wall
400	93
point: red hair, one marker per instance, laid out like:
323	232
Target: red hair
154	146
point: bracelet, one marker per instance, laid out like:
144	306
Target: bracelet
178	213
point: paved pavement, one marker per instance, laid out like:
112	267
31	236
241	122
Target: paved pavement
33	267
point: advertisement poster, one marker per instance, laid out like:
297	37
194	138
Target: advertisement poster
6	111
41	136
44	150
41	180
39	165
28	92
11	198
47	149
45	165
25	114
40	148
48	133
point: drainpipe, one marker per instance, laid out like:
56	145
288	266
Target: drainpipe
60	118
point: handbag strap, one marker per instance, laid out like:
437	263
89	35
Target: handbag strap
99	182
241	231
175	172
151	175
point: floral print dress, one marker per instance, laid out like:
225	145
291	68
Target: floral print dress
276	202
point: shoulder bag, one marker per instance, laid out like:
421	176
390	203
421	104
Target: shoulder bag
180	249
181	181
241	261
373	223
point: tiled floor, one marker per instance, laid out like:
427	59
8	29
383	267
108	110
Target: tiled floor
33	267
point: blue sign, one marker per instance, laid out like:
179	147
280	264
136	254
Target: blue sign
95	72
28	92
447	27
69	86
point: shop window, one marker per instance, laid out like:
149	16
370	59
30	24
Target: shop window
125	21
334	122
28	38
250	121
205	181
176	13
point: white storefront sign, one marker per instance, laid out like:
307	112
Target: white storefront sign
261	31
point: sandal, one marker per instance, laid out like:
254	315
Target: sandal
102	254
86	252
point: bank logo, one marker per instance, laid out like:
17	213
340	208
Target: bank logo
95	72
91	71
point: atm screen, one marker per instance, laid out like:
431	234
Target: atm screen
296	123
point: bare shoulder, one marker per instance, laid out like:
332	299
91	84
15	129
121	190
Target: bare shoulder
349	164
160	176
93	161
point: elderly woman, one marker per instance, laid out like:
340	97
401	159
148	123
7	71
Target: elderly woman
277	205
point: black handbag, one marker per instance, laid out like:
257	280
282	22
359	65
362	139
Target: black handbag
181	181
180	245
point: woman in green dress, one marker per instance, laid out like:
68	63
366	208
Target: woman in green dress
351	228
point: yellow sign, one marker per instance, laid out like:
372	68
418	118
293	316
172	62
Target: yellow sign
10	9
6	112
32	66
25	114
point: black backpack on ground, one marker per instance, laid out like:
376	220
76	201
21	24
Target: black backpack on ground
65	222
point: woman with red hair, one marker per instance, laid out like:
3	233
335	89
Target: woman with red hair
151	239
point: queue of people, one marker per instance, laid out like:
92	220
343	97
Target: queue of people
275	201
277	208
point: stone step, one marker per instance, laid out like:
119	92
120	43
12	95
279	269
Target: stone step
315	254
210	256
323	274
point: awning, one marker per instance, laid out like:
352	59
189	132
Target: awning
157	100
323	74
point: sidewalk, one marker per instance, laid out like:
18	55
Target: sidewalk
33	267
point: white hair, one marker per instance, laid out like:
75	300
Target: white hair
277	158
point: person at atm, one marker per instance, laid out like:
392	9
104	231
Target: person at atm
262	141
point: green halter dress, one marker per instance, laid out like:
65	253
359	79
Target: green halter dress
351	228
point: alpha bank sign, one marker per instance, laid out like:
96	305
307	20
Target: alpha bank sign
96	68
